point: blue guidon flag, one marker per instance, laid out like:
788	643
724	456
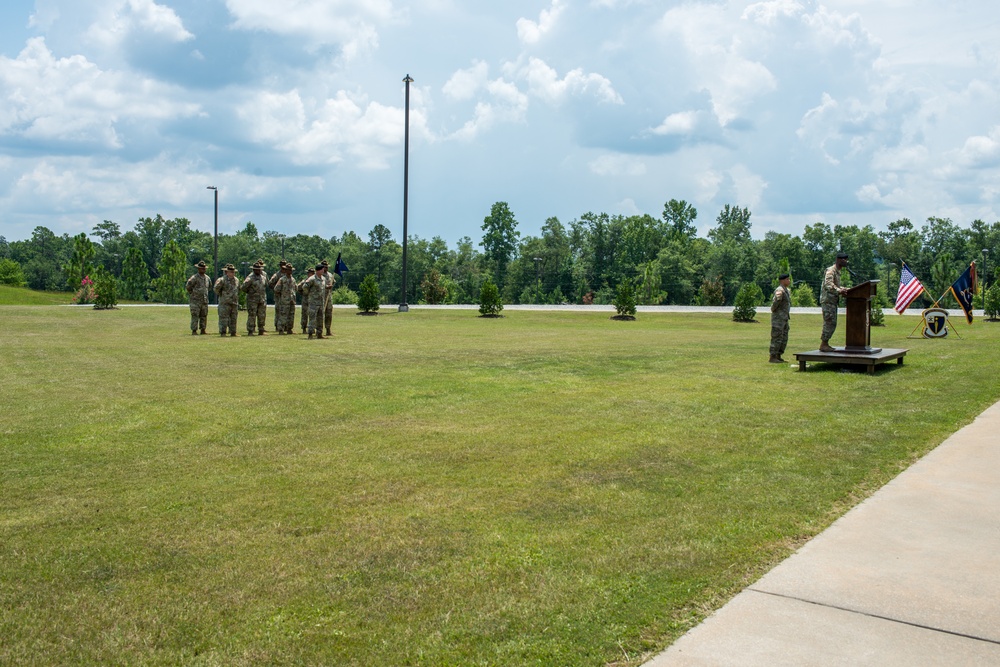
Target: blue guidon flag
963	289
339	267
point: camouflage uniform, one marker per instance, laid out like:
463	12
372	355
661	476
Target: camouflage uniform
227	289
781	305
328	303
284	303
829	299
255	286
299	289
197	288
315	294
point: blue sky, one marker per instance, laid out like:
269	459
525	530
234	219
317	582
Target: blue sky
842	111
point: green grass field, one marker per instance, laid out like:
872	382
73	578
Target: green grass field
428	488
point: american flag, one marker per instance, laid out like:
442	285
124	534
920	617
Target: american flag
909	289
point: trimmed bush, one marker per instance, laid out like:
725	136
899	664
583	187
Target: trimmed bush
992	306
105	290
747	300
369	294
624	301
490	303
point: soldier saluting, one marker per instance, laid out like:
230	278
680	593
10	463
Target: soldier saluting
197	288
255	286
227	290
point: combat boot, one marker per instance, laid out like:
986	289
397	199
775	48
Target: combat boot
223	334
775	359
234	334
261	333
194	333
826	347
202	332
319	335
328	333
310	336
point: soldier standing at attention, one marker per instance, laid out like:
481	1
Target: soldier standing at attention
328	303
284	301
781	306
227	291
197	288
274	279
255	286
829	299
300	289
315	293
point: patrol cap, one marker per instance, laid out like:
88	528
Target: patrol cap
783	276
202	265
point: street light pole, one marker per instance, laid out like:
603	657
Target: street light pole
282	237
986	251
215	253
403	308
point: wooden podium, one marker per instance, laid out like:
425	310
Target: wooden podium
859	317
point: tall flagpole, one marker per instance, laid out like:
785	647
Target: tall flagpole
403	308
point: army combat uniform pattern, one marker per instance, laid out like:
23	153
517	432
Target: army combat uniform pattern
284	303
228	292
781	306
197	288
314	293
829	300
255	286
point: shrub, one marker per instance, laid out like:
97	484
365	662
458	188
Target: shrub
369	294
344	295
992	306
85	294
11	273
489	299
624	301
878	303
105	290
747	299
712	293
434	291
803	297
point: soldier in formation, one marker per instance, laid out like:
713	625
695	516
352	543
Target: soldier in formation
315	293
300	290
227	292
284	300
829	299
781	305
328	305
197	288
255	287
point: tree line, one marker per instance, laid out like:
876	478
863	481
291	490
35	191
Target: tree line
582	261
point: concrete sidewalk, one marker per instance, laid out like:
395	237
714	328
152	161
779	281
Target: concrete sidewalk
910	576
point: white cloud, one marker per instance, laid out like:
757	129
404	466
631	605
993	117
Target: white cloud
352	23
981	151
318	132
680	123
544	82
508	104
714	45
139	15
530	32
465	83
71	99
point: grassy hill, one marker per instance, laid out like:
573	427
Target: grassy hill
22	296
431	487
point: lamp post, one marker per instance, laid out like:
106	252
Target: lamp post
538	276
215	246
986	251
282	237
403	308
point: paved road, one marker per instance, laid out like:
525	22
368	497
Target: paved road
910	576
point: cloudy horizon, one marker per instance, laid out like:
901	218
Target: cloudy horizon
839	111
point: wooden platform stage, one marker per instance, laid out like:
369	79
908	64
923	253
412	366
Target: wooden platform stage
856	358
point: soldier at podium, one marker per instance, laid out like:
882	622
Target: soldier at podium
829	299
